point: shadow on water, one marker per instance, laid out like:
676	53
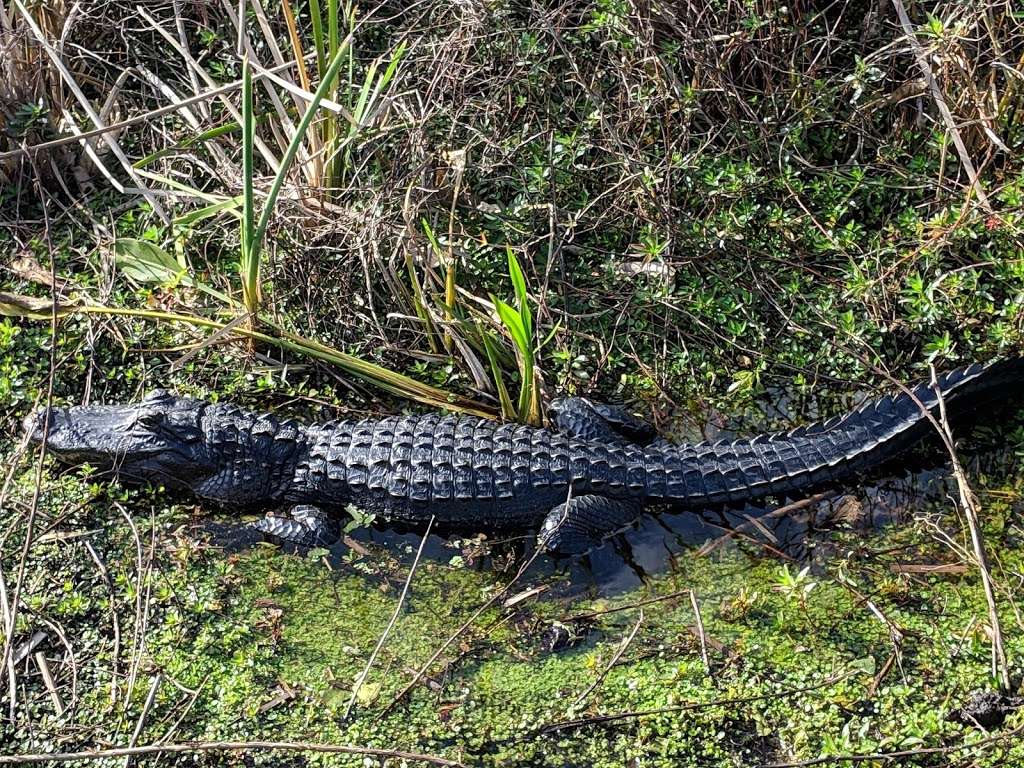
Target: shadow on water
797	530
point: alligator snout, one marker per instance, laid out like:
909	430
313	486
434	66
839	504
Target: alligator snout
63	435
146	437
77	432
35	424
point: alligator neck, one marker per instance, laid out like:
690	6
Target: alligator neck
259	456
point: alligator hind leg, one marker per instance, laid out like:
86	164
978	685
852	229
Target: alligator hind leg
306	526
581	524
587	420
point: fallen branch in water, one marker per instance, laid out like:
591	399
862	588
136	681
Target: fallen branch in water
627	607
615	658
567	725
877	757
713	544
361	678
421	673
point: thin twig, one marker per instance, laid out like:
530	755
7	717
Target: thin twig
969	502
145	117
566	725
361	678
710	546
627	607
225	746
940	102
138	624
114	620
615	658
890	756
146	707
11	609
193	698
422	671
701	634
88	108
8	619
51	685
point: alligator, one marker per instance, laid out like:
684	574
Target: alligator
588	476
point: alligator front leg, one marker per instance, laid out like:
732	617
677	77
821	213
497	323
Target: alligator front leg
581	524
587	420
306	526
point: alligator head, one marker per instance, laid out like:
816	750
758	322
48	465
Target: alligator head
159	440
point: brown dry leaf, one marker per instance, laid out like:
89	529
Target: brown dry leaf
31	307
27	267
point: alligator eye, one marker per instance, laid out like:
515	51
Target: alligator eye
156	396
150	419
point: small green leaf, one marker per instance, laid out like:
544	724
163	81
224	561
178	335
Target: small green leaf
192	217
360	519
145	262
515	272
396	57
513	322
866	665
431	238
508	411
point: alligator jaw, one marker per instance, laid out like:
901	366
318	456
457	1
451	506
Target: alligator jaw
80	434
160	439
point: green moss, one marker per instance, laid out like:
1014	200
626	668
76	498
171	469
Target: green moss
270	643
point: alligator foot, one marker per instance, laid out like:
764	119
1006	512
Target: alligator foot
306	526
587	420
581	524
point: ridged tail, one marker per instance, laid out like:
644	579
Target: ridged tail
723	472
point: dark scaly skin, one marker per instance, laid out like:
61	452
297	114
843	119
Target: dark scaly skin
474	474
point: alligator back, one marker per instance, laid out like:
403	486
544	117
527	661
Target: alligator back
460	470
469	471
721	472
